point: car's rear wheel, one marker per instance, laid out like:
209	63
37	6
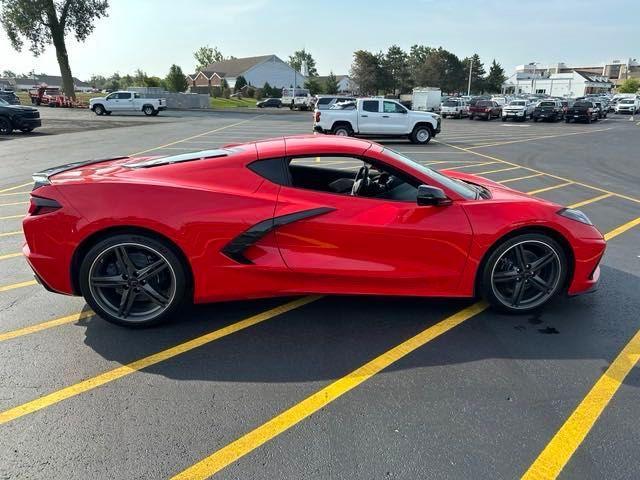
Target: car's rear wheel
342	131
148	110
421	135
524	273
133	280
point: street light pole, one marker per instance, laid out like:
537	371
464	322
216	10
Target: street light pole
469	84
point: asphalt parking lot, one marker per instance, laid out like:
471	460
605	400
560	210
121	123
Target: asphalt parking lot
331	387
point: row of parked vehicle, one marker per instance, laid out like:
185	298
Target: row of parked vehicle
589	108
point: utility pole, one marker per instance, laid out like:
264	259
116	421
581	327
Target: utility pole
470	69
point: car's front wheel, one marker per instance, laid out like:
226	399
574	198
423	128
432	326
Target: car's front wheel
5	126
133	280
421	135
99	110
524	273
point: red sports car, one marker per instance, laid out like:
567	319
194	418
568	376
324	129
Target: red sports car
137	236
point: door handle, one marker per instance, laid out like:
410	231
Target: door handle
385	116
364	116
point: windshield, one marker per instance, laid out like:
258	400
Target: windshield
483	103
626	101
582	104
3	103
520	104
547	104
450	103
457	186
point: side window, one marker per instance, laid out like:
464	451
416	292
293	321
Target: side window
325	101
370	105
112	96
136	95
124	96
337	175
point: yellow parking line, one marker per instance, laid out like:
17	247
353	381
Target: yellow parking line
10	255
45	325
14	193
557	177
539	138
14	203
496	171
520	178
294	415
553	187
590	200
472	165
566	441
13	286
8	234
195	136
8	217
16	187
124	370
621	229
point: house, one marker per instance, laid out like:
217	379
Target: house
255	70
51	81
568	84
345	84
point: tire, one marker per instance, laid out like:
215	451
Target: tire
99	110
155	113
148	110
470	117
107	113
420	135
488	117
504	119
113	302
515	286
567	120
535	119
342	130
5	126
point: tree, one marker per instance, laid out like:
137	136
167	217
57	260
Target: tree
418	55
313	85
8	74
176	81
630	85
331	85
395	64
442	69
240	82
477	72
364	71
207	55
300	56
266	90
44	22
496	77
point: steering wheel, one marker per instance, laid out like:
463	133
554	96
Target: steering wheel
361	182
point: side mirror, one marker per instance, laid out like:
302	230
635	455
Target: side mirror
428	195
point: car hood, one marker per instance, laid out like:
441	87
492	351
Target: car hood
21	108
418	113
498	191
94	99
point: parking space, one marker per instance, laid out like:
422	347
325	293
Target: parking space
332	387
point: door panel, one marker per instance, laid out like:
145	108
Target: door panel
368	121
373	246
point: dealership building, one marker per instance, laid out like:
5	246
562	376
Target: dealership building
571	84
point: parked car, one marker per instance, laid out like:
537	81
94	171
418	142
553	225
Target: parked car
123	101
326	102
517	110
10	97
379	117
550	109
486	109
297	98
454	108
502	101
251	221
583	111
628	105
602	108
18	117
269	103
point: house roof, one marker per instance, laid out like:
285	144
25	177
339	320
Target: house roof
593	77
235	66
49	80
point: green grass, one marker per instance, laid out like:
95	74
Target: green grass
232	102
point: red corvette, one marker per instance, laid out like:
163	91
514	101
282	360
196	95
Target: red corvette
137	236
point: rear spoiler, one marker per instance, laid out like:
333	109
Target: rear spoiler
43	177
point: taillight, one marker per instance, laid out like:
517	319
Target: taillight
317	116
40	206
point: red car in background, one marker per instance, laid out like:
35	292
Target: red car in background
486	109
139	236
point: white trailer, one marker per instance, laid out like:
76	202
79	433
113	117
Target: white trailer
426	99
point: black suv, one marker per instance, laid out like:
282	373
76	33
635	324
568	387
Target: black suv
548	110
18	117
9	97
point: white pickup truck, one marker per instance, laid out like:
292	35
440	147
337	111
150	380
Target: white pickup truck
377	117
127	102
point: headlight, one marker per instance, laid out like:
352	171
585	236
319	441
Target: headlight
576	215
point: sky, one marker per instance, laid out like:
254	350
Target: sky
153	34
